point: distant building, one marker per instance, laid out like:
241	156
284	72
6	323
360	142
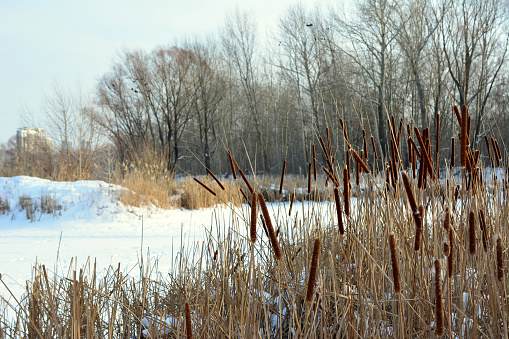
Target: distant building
67	143
31	139
86	144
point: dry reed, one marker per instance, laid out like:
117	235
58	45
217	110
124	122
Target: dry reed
439	302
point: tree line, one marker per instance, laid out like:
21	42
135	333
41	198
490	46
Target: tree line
269	99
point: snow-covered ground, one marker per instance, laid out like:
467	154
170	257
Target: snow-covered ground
86	221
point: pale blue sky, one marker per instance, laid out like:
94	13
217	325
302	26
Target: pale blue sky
72	42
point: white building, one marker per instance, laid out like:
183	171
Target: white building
31	139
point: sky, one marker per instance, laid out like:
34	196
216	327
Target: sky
71	43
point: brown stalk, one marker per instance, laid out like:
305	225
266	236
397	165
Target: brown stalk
471	233
399	132
500	260
292	199
327	157
395	264
499	155
409	193
414	148
329	174
489	151
374	147
283	177
410	151
329	140
450	257
338	211
424	152
439	302
495	151
231	164
270	228
215	178
418	228
254	205
314	160
457	113
312	272
189	325
463	137
346	192
358	171
309	179
205	186
360	162
341	122
365	144
245	196
395	161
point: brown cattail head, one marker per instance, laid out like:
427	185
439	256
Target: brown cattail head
215	178
309	179
232	165
374	147
457	113
360	162
409	193
346	191
292	199
338	211
500	260
205	186
312	271
395	263
314	160
254	205
471	232
270	228
482	223
499	154
464	136
189	325
450	257
489	151
283	176
418	228
447	219
341	122
439	303
446	248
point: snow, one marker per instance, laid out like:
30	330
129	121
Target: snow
88	222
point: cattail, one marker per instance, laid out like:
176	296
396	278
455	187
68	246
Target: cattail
395	264
446	248
215	178
270	228
358	171
482	223
418	228
450	257
341	122
329	140
392	126
231	164
409	193
453	156
245	180
457	113
309	179
447	219
500	260
394	161
365	143
215	255
312	271
346	192
469	121
291	204
463	135
338	210
424	153
471	232
314	160
283	177
189	326
410	151
254	205
439	303
327	156
489	151
205	186
495	151
399	132
360	162
374	147
330	176
499	155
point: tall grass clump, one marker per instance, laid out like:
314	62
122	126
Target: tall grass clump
392	258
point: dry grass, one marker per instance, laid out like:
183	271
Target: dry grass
239	289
